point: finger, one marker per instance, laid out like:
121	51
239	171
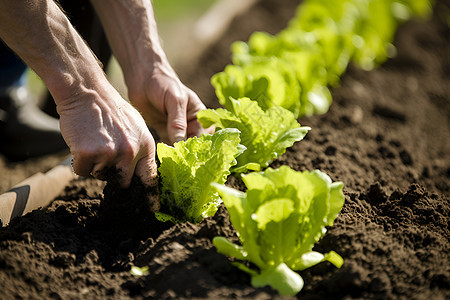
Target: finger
146	170
102	162
210	130
125	170
196	129
194	106
176	120
100	172
82	164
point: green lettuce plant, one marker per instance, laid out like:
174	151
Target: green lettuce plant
187	170
265	134
314	14
370	25
374	33
317	46
267	80
278	220
378	23
302	52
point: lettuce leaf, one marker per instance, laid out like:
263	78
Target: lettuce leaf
317	58
325	51
314	14
374	33
278	220
267	80
188	169
266	135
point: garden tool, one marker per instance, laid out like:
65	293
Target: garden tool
35	192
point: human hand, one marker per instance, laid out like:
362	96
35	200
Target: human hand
102	130
167	104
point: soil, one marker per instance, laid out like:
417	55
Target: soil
386	137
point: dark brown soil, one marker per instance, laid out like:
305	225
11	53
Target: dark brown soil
386	137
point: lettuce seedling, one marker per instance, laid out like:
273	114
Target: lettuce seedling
268	80
265	134
278	220
374	33
189	167
305	57
314	14
325	51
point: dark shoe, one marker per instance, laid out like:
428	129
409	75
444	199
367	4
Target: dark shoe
26	131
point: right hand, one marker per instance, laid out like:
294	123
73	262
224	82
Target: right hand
166	103
103	130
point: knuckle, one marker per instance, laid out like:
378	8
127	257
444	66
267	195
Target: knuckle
106	150
179	101
127	151
178	124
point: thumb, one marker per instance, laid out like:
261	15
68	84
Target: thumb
176	120
146	170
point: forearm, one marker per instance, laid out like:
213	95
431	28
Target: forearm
153	86
132	33
43	37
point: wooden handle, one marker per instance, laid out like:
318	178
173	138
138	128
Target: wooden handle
35	192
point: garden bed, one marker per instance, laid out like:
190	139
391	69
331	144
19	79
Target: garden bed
386	137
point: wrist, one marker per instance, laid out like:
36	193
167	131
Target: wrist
144	65
139	78
65	86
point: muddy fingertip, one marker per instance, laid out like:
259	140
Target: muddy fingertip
153	195
146	171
